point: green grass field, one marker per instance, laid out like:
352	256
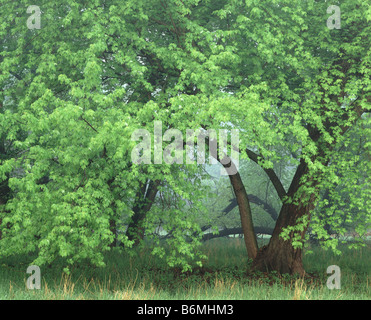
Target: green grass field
225	276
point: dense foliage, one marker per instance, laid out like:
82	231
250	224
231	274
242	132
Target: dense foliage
74	91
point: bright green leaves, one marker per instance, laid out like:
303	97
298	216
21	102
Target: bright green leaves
92	74
74	91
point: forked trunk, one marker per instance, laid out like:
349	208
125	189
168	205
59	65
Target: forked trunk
279	255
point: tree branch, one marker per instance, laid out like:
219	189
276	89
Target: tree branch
229	231
270	173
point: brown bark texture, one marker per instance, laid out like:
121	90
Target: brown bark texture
135	230
279	255
245	215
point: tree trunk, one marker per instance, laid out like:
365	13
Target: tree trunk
245	215
112	225
280	255
135	230
242	199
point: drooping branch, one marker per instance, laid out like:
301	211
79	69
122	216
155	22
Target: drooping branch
229	231
256	200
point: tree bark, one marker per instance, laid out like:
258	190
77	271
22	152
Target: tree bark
279	255
241	197
144	201
245	215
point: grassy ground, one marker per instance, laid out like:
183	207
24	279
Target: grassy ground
224	276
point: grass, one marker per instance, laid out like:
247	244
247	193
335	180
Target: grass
225	276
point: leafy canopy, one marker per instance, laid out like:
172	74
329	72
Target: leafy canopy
74	91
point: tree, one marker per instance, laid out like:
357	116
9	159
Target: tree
295	85
320	92
79	97
273	70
